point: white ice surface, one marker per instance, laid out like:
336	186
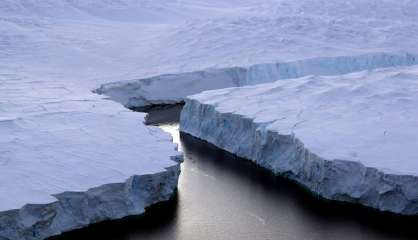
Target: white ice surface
366	117
93	42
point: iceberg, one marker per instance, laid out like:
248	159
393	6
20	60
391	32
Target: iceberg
348	138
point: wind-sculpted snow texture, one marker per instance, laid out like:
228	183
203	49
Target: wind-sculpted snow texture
154	91
95	42
348	138
70	158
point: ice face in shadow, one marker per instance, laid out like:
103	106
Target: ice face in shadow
349	138
174	88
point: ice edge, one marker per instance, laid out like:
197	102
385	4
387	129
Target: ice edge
174	88
74	210
285	155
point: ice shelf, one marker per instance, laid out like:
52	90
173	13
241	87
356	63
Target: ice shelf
348	138
70	158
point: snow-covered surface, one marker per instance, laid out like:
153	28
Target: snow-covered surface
303	127
95	42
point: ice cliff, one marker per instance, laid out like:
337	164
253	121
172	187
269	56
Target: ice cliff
174	88
348	138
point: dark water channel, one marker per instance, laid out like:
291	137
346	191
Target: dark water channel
224	197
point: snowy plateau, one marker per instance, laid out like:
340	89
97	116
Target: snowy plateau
71	154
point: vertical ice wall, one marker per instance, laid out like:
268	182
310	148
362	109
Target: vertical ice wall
173	88
349	138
